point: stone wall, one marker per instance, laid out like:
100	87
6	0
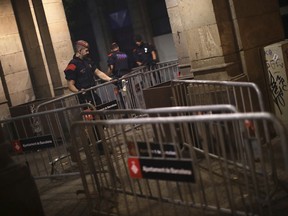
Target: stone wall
15	77
223	39
35	48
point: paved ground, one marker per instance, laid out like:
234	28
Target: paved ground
62	197
65	197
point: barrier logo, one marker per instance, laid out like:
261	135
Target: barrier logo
134	168
161	169
17	146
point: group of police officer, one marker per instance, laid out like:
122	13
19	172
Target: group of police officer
80	71
144	54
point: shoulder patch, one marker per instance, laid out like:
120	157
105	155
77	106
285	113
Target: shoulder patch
71	67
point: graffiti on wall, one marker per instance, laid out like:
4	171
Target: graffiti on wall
277	79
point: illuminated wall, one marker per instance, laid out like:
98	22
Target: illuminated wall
35	47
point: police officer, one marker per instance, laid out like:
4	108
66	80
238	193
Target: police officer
118	66
80	74
144	54
117	62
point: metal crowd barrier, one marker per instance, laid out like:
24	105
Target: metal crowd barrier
113	95
143	172
245	96
104	90
158	75
42	140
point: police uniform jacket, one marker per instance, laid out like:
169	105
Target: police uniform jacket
143	54
82	72
119	60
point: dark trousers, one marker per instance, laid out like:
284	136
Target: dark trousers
94	99
90	97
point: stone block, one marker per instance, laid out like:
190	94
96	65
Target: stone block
196	13
4	110
58	31
10	44
260	30
254	64
8	25
218	75
180	43
175	19
54	11
234	65
209	62
248	8
204	42
18	82
5	8
22	97
13	63
171	3
227	37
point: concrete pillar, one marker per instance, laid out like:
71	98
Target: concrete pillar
258	24
220	34
222	39
55	38
4	94
15	75
140	19
98	22
40	77
197	37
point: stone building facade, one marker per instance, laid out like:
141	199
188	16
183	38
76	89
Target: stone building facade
220	39
35	46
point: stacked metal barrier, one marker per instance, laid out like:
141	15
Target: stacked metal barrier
203	157
143	173
43	142
126	92
245	96
231	162
42	139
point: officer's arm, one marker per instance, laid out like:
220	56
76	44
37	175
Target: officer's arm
138	63
102	75
154	55
110	69
71	86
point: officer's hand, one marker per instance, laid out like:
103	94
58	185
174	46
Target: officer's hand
84	92
154	63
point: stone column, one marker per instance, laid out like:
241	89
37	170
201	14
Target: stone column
35	59
140	20
15	75
55	39
258	24
222	39
200	38
98	22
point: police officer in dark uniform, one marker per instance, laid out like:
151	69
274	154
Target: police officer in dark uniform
117	61
144	54
80	74
118	66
